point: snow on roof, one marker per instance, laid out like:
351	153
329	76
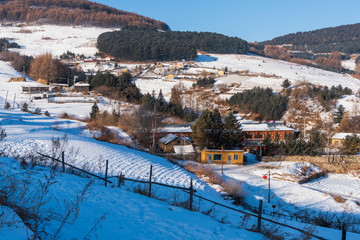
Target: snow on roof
82	84
342	135
187	149
168	138
176	129
264	126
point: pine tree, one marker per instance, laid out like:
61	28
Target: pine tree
201	134
217	130
339	114
232	132
351	144
94	111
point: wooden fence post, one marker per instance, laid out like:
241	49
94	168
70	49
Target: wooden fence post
106	172
343	232
150	180
259	215
191	194
120	179
63	161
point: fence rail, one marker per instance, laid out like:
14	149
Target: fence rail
191	191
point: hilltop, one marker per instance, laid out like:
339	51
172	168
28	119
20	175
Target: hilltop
345	38
70	12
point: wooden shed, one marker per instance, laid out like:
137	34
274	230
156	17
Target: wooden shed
82	87
227	157
168	142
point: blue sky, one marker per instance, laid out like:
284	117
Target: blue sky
248	19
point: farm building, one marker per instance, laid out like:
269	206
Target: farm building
228	157
82	87
170	143
35	88
339	138
180	130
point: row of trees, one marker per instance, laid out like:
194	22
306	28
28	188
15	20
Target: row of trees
332	63
264	102
213	132
148	44
80	12
296	146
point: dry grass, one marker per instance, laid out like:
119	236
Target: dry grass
205	171
339	199
235	191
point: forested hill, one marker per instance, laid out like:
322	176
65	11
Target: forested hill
344	38
144	44
74	12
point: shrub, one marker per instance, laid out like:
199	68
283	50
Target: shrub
235	191
25	107
47	113
7	105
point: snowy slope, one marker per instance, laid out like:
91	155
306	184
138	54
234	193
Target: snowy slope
113	213
280	70
39	39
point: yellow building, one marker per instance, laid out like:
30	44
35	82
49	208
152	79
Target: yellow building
170	76
124	70
339	138
217	156
221	73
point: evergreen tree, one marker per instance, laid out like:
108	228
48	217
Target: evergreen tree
339	114
286	83
233	136
94	111
201	135
217	130
351	144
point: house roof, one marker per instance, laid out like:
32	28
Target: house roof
187	149
167	139
264	126
81	84
176	129
342	135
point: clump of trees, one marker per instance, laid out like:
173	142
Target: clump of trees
213	132
351	144
5	45
116	87
148	44
332	63
276	52
79	12
19	62
48	68
205	82
296	146
263	101
174	108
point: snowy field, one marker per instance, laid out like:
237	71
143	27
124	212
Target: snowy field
290	198
40	39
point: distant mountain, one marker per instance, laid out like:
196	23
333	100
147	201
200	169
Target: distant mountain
344	38
72	12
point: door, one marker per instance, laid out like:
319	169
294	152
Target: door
229	160
209	158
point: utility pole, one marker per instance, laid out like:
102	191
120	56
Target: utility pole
154	130
6	98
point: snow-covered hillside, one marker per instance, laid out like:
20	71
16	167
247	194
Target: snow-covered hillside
105	213
39	39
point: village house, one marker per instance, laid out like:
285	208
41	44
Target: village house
226	157
174	144
35	88
338	139
255	132
82	87
180	130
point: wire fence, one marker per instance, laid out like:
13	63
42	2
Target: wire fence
188	202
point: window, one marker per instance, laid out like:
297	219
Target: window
217	157
236	157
